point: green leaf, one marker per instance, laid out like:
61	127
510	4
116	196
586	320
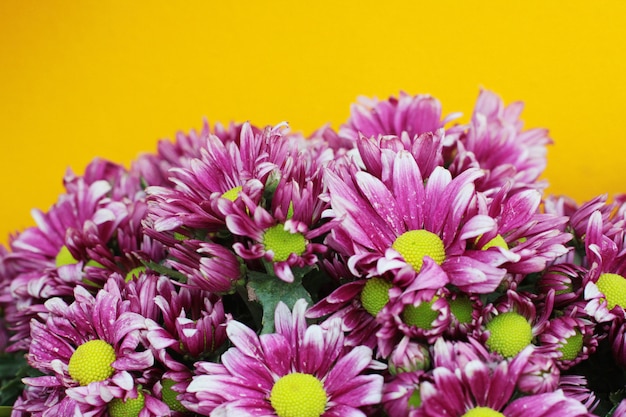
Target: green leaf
270	290
13	367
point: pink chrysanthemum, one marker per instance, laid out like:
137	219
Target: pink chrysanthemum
605	280
55	256
570	340
278	237
154	169
401	224
299	367
478	389
192	322
513	322
93	351
408	114
534	239
207	266
495	142
223	170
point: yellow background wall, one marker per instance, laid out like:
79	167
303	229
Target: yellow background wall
80	79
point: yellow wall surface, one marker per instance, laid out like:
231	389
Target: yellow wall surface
80	79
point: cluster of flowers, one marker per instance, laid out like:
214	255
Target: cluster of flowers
403	265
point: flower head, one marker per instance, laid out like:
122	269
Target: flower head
92	349
299	367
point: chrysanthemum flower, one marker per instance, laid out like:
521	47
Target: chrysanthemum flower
153	169
576	387
569	340
514	322
346	304
565	280
299	370
278	237
477	389
405	113
605	286
373	152
91	348
402	224
207	266
222	171
496	143
421	315
52	258
539	375
401	393
192	321
534	239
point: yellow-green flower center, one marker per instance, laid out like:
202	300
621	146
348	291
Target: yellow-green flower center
233	193
613	286
415	400
498	241
129	408
509	334
283	243
375	295
298	395
64	257
415	244
134	273
169	396
462	309
421	316
91	362
482	412
572	346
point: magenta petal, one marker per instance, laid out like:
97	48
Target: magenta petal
134	361
341	410
244	338
551	404
360	391
382	201
408	188
348	367
278	353
283	271
473	276
248	367
312	350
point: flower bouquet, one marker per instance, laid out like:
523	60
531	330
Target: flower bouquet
405	264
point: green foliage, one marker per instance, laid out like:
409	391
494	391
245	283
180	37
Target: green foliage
269	290
13	367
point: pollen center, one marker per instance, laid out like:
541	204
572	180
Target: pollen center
572	346
298	395
613	286
421	316
498	242
91	362
129	408
415	244
509	334
169	396
462	308
482	412
283	243
233	193
64	257
375	295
